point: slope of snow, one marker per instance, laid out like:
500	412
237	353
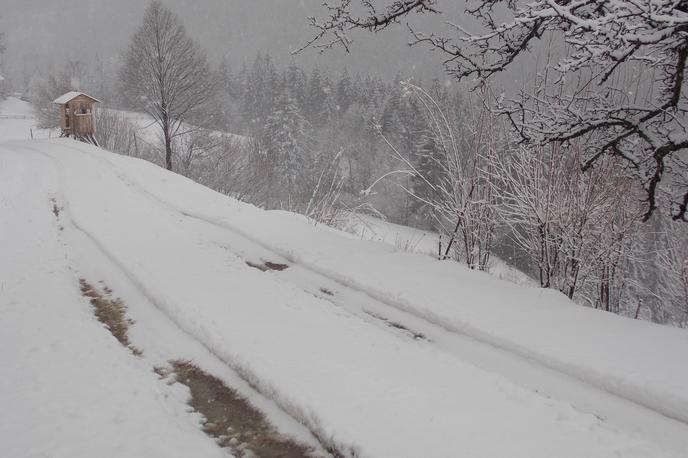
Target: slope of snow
412	240
641	360
354	385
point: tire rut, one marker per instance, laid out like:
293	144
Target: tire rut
229	418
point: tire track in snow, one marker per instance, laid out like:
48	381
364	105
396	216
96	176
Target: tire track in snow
297	414
486	352
516	364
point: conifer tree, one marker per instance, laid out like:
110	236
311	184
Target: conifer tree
285	143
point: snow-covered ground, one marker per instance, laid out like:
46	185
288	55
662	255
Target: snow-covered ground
17	121
149	131
371	350
67	388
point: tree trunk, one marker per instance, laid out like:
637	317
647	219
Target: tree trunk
168	144
168	152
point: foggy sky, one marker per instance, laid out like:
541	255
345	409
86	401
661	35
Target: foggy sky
40	32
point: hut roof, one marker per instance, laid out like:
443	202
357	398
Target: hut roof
69	96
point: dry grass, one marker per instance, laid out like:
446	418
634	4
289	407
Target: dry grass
111	312
275	266
231	419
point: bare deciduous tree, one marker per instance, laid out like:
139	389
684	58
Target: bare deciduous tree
579	229
459	193
165	73
607	45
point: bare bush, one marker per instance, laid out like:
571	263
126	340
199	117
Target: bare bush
450	178
116	133
42	92
579	229
324	205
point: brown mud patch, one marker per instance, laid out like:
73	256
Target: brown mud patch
231	419
267	265
111	312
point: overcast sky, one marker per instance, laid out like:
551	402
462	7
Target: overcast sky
41	31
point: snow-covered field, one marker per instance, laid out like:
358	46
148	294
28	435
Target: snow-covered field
149	132
367	349
17	121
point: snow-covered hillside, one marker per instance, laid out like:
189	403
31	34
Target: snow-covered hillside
409	239
350	346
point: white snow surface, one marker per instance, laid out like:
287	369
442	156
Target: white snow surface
149	131
67	387
412	240
358	384
17	121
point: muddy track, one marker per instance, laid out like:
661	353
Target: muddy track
230	419
334	449
111	312
63	217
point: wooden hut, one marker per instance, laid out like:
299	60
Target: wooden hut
76	115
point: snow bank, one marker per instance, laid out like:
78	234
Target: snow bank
363	390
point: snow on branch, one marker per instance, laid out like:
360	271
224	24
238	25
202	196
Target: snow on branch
334	31
620	77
